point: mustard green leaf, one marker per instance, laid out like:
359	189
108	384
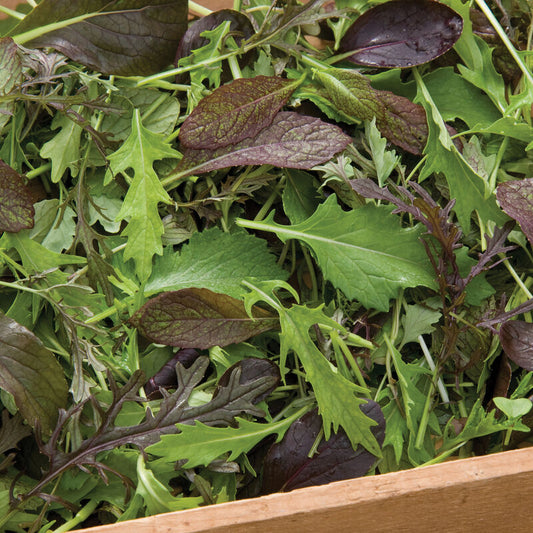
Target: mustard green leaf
16	201
145	227
10	77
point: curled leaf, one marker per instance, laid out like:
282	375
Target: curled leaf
292	141
235	111
516	338
16	201
402	33
199	318
127	38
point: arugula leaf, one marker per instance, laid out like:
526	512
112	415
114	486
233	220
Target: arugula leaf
217	261
418	320
145	228
364	252
31	374
16	201
292	140
127	38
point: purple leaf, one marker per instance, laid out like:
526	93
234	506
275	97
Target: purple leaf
516	338
402	33
516	199
235	111
287	465
199	318
16	201
292	141
251	369
127	38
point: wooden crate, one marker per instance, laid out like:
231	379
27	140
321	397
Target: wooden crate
481	494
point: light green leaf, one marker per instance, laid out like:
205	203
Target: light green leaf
145	228
513	408
364	252
202	444
216	261
418	320
54	228
384	160
64	148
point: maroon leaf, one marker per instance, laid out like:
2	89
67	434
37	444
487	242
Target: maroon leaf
16	201
516	338
235	111
402	33
130	37
287	465
516	199
292	141
199	318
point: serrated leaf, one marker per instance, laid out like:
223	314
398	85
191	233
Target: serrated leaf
127	38
516	199
398	119
217	261
364	252
16	201
202	444
31	374
418	320
236	111
10	77
402	33
292	141
145	228
384	160
199	318
64	148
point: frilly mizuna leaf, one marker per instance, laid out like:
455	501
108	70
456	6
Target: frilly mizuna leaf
398	119
16	201
287	465
516	338
402	33
364	252
516	199
292	141
199	318
127	38
31	374
235	111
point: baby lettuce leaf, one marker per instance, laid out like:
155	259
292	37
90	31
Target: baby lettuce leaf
364	252
402	33
398	119
217	261
31	374
292	140
516	199
287	465
145	228
10	77
199	318
235	111
127	38
516	338
16	201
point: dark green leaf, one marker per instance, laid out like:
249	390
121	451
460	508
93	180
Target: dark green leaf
126	38
16	201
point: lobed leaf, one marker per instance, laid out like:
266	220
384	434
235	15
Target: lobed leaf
516	199
292	140
402	33
199	318
16	201
236	111
126	38
31	374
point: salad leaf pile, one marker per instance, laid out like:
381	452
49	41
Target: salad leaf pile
257	249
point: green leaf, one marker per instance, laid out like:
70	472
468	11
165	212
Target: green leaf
31	374
364	252
466	187
145	228
54	227
384	160
10	77
202	444
64	148
418	320
200	318
515	408
300	195
217	261
127	38
16	201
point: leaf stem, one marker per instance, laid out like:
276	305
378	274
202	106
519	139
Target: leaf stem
440	384
198	9
11	13
82	515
